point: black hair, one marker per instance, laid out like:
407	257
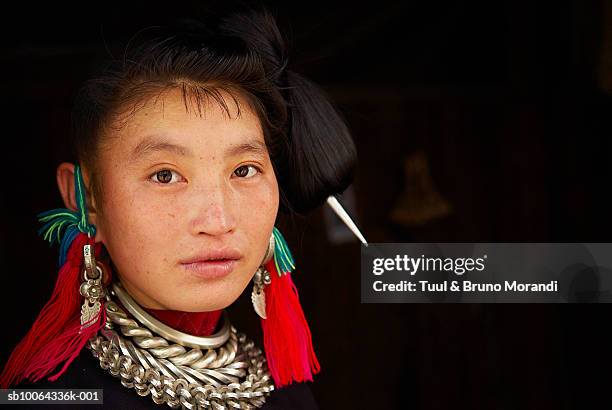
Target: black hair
242	52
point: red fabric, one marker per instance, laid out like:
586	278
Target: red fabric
287	338
194	323
55	337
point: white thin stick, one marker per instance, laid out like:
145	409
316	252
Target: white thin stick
339	210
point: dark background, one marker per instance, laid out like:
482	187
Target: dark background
510	103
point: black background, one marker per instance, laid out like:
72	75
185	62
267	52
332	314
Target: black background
507	99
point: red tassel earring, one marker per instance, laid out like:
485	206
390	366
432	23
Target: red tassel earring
66	322
287	338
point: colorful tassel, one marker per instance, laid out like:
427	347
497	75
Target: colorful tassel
56	336
283	260
67	222
287	338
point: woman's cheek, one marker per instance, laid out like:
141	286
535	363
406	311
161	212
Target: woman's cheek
154	219
266	202
138	215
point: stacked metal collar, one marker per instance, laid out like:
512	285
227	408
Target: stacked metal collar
223	371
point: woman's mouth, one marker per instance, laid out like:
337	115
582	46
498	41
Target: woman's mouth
212	263
211	269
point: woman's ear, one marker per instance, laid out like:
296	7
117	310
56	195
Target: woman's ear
65	183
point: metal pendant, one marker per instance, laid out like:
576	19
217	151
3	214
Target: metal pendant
259	303
91	289
88	312
258	296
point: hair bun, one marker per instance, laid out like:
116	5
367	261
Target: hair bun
322	153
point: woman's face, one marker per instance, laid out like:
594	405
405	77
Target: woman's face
177	186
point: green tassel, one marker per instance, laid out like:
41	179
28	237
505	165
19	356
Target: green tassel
62	225
282	255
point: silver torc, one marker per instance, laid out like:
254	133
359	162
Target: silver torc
232	376
165	331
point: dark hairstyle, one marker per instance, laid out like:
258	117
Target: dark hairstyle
242	53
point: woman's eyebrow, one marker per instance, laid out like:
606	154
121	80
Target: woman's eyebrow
152	144
253	146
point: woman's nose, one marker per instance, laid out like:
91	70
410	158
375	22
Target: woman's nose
213	212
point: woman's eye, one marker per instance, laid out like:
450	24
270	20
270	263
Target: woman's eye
164	176
244	172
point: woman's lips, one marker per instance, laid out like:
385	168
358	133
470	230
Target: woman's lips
211	269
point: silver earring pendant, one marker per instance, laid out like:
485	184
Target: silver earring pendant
91	288
258	296
260	280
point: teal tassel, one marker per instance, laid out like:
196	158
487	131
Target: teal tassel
62	225
282	255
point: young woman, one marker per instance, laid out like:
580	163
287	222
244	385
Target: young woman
187	149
